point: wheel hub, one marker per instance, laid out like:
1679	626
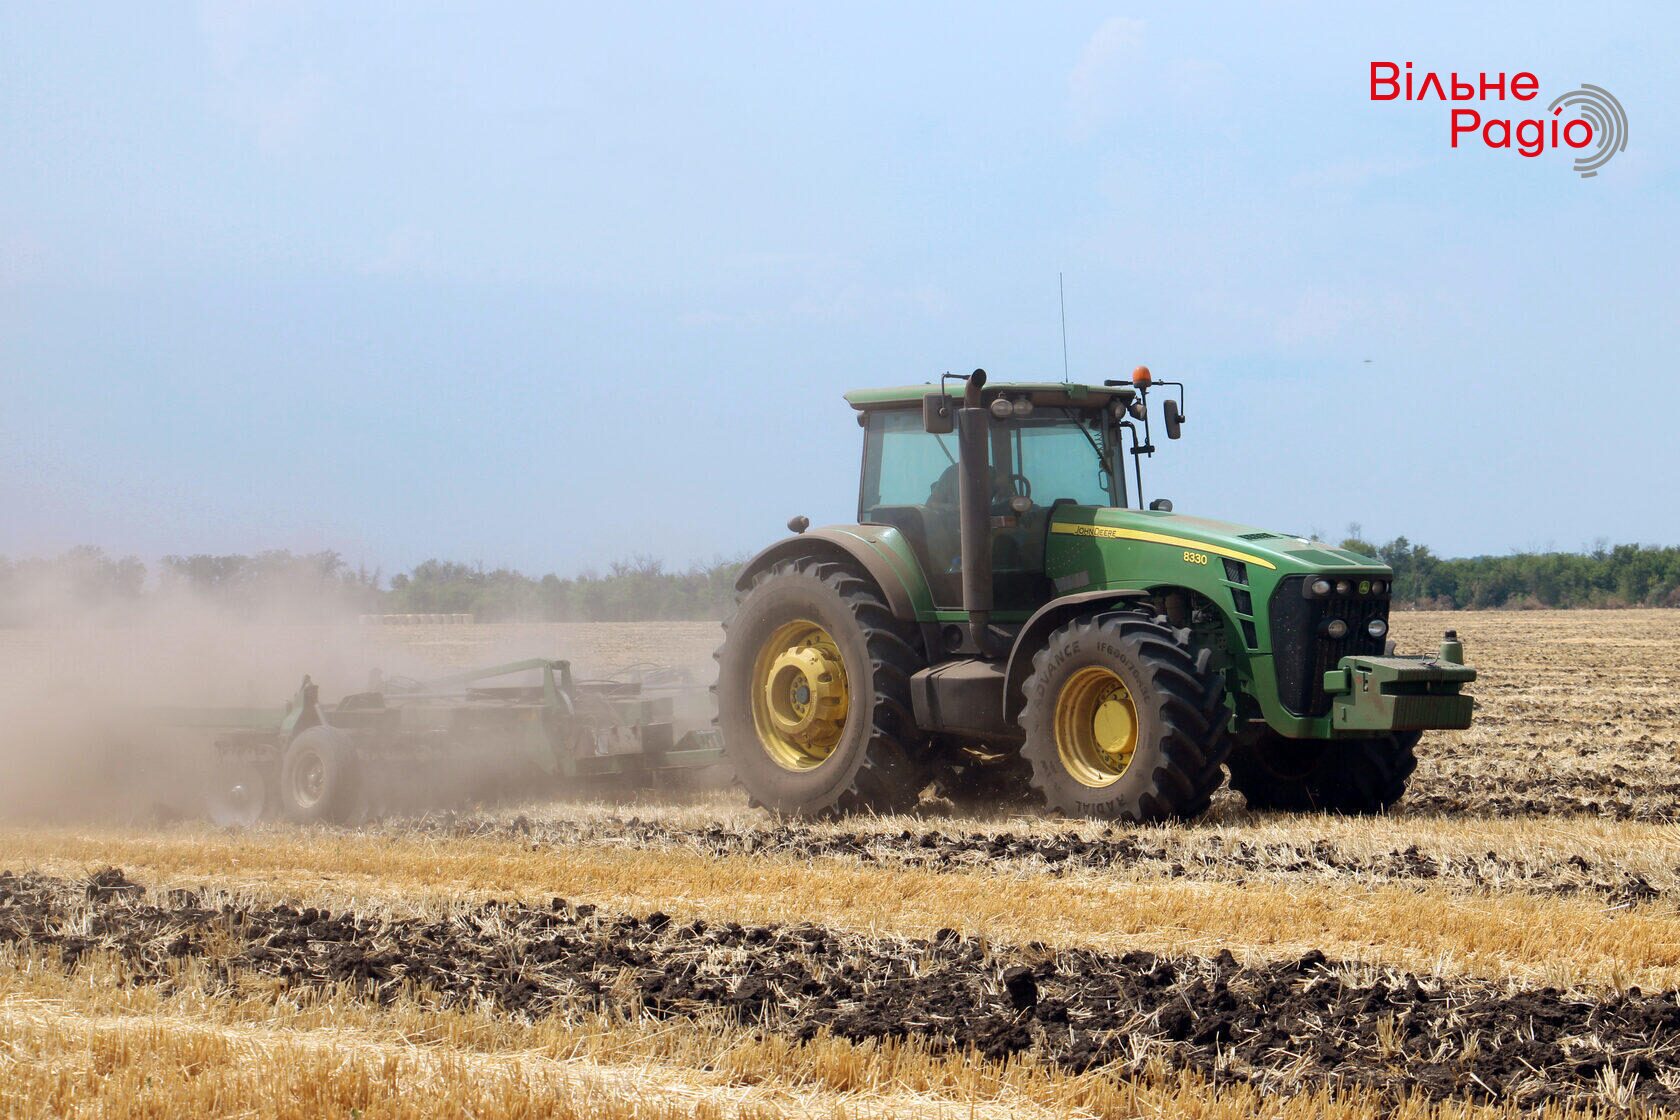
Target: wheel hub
800	697
1096	727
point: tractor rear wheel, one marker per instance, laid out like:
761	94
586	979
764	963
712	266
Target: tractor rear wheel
320	780
813	693
1351	776
1125	720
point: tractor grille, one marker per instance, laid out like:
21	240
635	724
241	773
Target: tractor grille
1302	653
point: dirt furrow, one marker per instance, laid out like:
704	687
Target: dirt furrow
1204	856
1278	1026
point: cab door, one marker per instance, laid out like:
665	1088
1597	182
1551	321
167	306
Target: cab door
909	481
1054	457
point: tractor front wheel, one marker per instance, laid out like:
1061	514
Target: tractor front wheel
1125	720
813	693
1351	776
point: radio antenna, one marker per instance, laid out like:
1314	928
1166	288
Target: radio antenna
1061	295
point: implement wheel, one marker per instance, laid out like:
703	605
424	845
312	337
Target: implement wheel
1125	721
813	693
320	780
1350	776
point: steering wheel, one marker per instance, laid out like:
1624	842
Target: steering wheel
1003	501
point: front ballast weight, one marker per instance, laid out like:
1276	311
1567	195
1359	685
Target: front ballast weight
1391	693
409	746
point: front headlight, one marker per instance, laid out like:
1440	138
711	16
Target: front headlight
1336	628
1376	628
1321	587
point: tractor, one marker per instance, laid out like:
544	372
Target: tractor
1009	618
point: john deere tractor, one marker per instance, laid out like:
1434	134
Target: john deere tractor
1008	619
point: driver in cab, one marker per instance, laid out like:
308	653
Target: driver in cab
944	520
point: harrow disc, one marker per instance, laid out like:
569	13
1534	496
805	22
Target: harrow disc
239	794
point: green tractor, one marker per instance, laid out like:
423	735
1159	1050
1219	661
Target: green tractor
1008	619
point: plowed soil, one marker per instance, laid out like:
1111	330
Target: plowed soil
1284	1025
1508	939
1044	851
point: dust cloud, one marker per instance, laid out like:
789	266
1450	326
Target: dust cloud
88	689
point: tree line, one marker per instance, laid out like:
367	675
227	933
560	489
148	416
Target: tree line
1625	575
87	581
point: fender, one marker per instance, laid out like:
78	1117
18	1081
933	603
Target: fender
1037	630
873	547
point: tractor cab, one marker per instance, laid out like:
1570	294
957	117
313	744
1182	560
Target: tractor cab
1048	445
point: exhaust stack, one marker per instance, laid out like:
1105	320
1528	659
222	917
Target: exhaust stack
974	503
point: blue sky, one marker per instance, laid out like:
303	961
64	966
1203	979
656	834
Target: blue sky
548	286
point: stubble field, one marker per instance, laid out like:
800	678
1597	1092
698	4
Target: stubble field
1508	941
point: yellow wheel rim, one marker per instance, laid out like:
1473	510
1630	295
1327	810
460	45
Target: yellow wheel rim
799	695
1096	727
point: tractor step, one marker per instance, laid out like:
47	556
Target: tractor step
963	697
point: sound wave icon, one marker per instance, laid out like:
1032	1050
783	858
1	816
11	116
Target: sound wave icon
1609	121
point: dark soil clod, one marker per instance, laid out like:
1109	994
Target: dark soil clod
1022	988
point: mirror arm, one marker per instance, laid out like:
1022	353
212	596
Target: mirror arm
1179	385
1137	459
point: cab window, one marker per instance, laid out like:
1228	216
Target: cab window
910	483
903	464
1059	458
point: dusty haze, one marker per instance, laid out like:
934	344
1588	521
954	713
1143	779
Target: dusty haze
77	741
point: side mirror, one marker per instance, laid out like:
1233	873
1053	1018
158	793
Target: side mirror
1174	419
1161	505
938	415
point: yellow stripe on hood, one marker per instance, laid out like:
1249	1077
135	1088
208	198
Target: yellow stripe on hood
1111	531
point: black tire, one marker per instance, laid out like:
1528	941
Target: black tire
875	766
1181	722
241	793
1350	776
320	780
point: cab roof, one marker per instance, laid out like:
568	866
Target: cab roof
1055	393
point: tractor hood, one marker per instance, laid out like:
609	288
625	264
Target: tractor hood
1279	551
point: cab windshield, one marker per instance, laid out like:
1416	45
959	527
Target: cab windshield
1050	456
1059	456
